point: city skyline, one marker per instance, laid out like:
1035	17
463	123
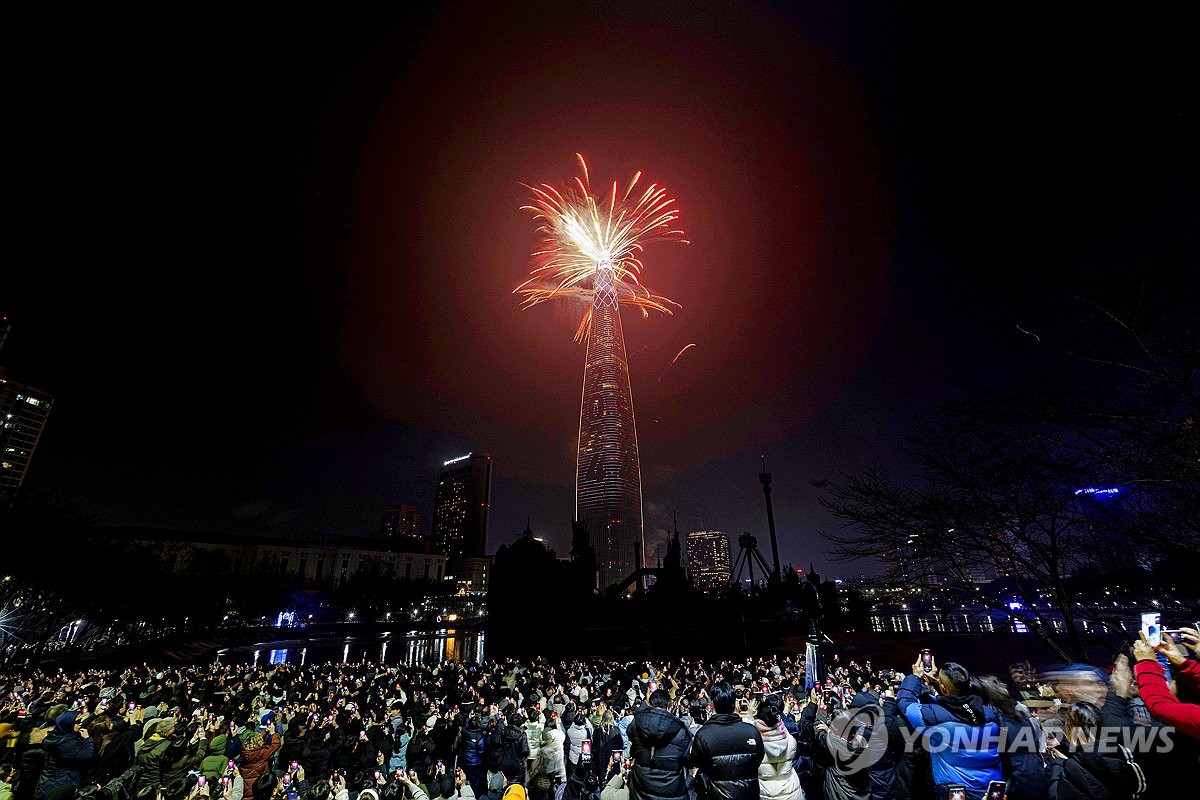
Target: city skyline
273	272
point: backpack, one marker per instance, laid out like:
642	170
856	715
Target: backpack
493	749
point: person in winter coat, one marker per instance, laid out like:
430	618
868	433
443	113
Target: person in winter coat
69	752
578	732
401	736
549	768
839	743
658	744
320	746
361	757
422	750
445	739
255	760
804	763
617	787
164	756
514	748
725	751
606	740
472	746
1085	769
292	746
963	732
777	778
623	723
534	725
114	748
215	762
1021	757
33	755
881	730
1161	702
233	786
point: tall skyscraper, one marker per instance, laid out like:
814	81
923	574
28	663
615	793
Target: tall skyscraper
608	477
590	249
708	559
461	506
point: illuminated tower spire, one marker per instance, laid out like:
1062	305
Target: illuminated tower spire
608	473
589	250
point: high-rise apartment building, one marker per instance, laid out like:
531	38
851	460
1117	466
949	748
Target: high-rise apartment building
608	479
461	506
708	559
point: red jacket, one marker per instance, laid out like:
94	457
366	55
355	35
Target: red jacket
1164	706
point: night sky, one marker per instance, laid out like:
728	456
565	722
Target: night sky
265	262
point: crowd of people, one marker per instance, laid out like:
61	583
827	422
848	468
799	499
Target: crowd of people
540	729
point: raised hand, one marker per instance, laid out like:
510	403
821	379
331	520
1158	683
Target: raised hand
1142	651
1191	639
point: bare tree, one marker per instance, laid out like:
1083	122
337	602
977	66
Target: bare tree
1007	472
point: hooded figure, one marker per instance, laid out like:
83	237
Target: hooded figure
962	733
215	761
68	754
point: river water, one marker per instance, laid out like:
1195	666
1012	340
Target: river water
398	647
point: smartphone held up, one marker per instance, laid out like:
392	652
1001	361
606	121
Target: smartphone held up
1152	628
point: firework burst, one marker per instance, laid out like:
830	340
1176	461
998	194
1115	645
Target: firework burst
584	236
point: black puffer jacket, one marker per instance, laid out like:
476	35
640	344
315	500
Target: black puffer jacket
514	751
1090	775
658	743
727	752
1021	757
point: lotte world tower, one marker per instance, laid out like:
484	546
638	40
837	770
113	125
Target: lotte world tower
589	251
608	474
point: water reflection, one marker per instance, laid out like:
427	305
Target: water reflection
410	648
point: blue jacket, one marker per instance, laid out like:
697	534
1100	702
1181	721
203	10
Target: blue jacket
623	727
961	733
68	755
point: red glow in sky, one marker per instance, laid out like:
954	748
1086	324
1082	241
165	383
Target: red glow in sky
763	141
